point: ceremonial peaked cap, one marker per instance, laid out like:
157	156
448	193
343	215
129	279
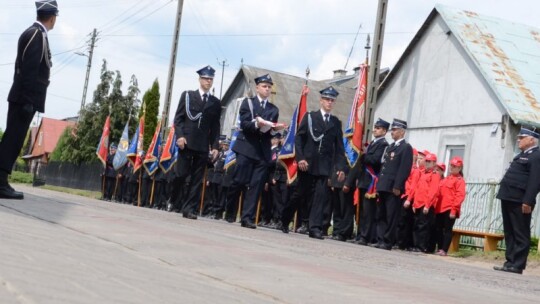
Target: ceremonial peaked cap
264	78
47	7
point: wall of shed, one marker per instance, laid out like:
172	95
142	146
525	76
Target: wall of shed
446	101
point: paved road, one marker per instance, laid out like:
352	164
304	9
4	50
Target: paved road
59	248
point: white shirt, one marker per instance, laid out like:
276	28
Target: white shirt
264	101
323	113
397	142
201	92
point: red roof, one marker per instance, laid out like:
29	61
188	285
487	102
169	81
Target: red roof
47	136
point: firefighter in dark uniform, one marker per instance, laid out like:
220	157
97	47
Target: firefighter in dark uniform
279	188
365	174
216	181
253	149
197	125
397	164
28	92
518	190
342	212
110	174
267	197
318	146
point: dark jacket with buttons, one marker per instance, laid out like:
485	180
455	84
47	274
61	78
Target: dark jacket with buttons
396	168
202	133
359	177
521	182
32	69
251	142
320	156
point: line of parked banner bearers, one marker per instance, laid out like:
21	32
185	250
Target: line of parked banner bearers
431	202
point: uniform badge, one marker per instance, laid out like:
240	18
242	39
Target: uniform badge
392	156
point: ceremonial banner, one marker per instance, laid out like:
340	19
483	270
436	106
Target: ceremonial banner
352	139
287	153
170	152
151	160
135	150
120	158
103	146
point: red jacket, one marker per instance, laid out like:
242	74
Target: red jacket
411	183
427	190
451	195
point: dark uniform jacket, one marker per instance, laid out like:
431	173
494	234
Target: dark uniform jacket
320	156
251	142
203	132
358	176
396	168
109	168
30	83
521	183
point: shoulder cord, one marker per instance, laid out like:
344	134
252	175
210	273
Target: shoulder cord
191	117
29	41
316	139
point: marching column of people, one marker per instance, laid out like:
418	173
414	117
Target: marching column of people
405	199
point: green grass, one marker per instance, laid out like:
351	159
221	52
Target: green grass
18	177
479	254
85	193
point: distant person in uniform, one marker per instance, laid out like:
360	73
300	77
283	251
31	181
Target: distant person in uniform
518	190
318	146
110	174
197	126
29	89
253	149
397	164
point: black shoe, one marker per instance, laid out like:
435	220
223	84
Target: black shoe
361	242
190	216
284	228
170	207
508	269
247	224
302	230
230	220
316	235
339	237
9	193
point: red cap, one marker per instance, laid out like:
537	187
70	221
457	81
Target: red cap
431	157
414	152
456	161
442	166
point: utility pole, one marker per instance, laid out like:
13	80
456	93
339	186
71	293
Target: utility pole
222	64
172	67
92	42
374	67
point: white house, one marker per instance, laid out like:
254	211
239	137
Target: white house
465	84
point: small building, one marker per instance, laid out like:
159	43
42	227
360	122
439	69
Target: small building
44	140
286	93
465	84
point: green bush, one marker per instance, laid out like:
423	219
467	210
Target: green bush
534	244
21	177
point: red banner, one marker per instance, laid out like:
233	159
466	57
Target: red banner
103	147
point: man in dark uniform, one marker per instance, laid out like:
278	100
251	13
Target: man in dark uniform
342	213
366	174
318	146
110	174
197	125
216	181
518	190
29	89
396	168
253	149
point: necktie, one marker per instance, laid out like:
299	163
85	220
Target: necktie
205	97
262	104
326	116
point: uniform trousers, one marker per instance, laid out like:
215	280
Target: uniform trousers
405	228
443	230
280	195
18	121
343	212
190	163
387	219
318	186
251	172
422	228
517	234
368	212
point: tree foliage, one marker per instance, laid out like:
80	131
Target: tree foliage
151	105
79	145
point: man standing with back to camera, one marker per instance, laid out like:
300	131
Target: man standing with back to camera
29	89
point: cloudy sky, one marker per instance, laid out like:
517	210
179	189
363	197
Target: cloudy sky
135	37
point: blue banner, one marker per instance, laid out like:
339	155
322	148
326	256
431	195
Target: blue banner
120	158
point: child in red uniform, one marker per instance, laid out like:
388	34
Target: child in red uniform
406	221
425	198
452	195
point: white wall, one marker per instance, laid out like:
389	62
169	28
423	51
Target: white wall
446	101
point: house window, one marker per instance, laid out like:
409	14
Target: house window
40	139
451	152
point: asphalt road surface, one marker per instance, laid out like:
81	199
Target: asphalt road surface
60	248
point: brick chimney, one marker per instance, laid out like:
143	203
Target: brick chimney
339	73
